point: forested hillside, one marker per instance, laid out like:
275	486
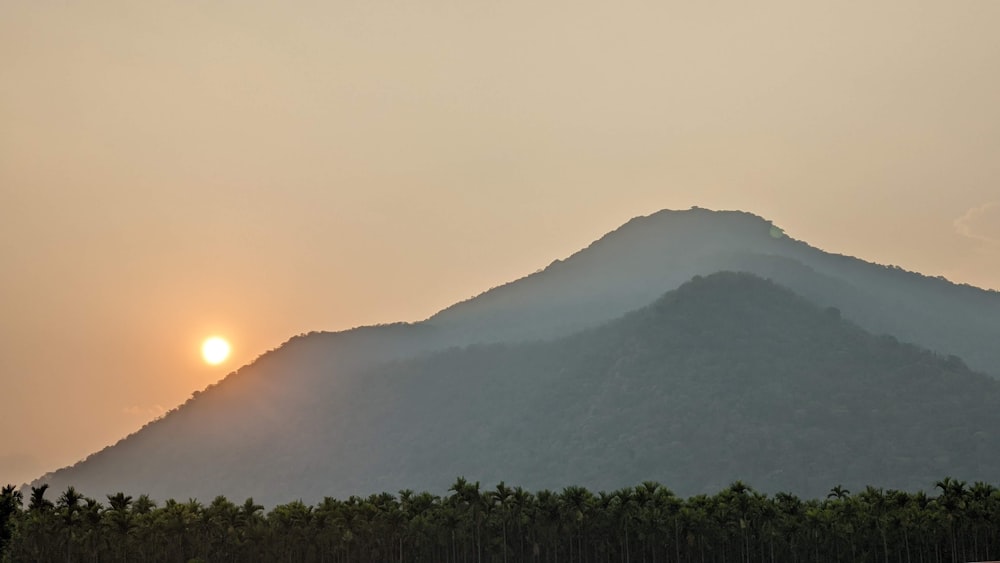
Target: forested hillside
729	377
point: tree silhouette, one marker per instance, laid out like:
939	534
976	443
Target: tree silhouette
642	523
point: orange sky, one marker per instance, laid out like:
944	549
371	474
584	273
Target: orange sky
261	169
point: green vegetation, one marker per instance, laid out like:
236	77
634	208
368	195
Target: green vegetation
504	524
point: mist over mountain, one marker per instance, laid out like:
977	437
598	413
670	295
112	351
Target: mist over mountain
542	382
633	265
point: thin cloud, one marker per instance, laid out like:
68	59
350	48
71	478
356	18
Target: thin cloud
981	223
149	412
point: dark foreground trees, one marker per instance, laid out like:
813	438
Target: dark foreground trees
646	523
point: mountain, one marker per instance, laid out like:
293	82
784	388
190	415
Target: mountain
297	419
728	377
633	265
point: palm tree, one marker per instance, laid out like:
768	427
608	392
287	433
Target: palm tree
924	523
876	509
10	509
68	506
791	516
40	524
423	513
327	516
521	503
502	497
548	522
249	527
38	501
119	519
292	523
388	523
468	497
221	518
952	500
838	492
175	519
577	503
983	519
620	509
145	530
669	505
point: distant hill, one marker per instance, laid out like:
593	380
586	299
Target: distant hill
728	377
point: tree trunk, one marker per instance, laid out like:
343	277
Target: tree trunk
504	541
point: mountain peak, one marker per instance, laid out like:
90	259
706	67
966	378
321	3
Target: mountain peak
624	269
649	255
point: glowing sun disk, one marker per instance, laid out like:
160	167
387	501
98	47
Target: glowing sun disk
215	350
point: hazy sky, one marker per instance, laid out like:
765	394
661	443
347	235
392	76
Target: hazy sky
173	169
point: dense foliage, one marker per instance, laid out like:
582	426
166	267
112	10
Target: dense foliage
504	524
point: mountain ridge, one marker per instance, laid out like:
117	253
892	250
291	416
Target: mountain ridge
667	248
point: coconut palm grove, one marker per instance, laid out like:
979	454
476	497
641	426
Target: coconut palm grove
647	522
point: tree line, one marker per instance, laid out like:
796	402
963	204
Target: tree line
471	524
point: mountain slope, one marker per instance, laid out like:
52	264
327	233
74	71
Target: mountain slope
728	377
647	256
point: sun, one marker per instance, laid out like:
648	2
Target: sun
215	350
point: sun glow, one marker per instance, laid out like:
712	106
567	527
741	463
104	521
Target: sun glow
215	350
